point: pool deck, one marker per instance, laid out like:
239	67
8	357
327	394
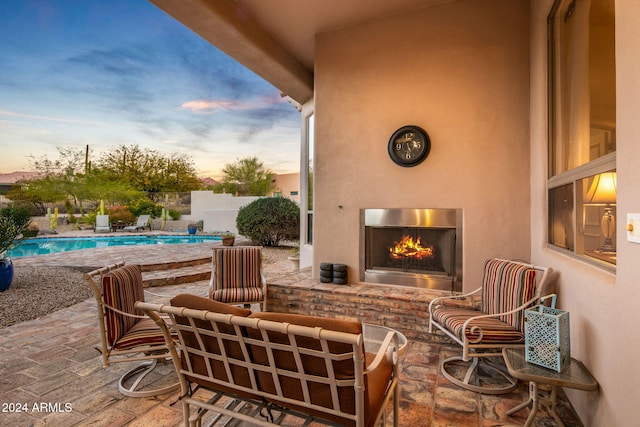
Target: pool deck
53	360
99	257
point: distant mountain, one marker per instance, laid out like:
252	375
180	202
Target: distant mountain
208	182
13	177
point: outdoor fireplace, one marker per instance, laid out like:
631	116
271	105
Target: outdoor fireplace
412	247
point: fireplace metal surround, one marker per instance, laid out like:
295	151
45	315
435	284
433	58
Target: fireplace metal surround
440	228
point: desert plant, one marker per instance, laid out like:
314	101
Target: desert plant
174	214
144	206
21	216
13	222
31	230
121	214
269	220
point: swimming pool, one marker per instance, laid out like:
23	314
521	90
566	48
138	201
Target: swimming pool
43	246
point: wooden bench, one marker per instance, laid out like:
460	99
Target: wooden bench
265	367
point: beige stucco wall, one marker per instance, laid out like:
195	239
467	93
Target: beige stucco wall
286	184
461	71
604	307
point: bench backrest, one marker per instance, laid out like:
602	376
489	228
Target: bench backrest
310	369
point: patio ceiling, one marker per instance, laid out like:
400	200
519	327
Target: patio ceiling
276	38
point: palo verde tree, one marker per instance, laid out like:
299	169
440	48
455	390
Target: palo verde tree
149	171
122	175
57	180
246	177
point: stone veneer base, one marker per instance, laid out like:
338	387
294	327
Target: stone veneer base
405	309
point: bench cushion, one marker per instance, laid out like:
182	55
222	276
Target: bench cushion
200	303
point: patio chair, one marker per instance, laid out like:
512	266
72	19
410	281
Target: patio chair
144	221
237	276
102	224
508	288
126	334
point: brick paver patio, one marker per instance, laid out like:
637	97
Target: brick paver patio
51	374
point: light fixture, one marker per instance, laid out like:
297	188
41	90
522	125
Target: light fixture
603	193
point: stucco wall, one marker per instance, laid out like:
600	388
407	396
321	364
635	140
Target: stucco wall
218	211
603	307
459	70
288	183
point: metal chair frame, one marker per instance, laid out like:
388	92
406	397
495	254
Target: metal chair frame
252	399
149	354
474	350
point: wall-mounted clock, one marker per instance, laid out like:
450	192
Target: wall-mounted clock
409	146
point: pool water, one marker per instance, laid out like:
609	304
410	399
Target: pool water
43	246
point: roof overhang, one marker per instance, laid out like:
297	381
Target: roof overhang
276	38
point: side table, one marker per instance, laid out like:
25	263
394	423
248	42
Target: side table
573	376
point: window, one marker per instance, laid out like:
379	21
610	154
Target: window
582	128
310	127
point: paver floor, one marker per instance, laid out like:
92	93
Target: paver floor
52	375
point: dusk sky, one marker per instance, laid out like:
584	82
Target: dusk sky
109	72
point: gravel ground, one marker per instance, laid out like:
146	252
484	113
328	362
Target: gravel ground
33	293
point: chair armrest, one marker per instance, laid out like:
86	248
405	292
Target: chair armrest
124	313
478	330
388	349
440	300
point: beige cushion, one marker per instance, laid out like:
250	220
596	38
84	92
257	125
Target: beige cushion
200	303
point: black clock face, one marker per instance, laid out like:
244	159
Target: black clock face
409	146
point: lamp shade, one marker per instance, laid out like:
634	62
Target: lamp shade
603	189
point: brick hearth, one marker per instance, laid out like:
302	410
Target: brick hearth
405	309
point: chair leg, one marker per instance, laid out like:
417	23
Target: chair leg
498	383
137	374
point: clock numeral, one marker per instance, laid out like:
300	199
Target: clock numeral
408	156
398	146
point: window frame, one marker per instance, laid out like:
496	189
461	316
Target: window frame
572	176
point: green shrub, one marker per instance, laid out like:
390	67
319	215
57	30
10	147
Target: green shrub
122	214
174	214
20	216
144	206
89	218
269	220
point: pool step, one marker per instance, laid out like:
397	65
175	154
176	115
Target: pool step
176	273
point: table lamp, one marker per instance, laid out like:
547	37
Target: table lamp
603	193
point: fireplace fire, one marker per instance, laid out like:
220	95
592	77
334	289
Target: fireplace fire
412	247
409	248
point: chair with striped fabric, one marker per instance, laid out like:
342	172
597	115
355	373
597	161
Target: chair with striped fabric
126	334
508	288
237	276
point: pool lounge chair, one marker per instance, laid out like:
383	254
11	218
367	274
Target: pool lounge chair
102	224
144	221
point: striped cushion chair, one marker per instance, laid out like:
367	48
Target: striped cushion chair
237	276
127	334
508	288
